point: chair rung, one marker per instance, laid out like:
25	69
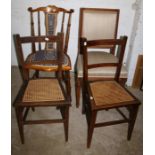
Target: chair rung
122	114
110	123
44	121
26	112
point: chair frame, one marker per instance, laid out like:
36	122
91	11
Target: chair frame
89	106
22	108
79	80
53	9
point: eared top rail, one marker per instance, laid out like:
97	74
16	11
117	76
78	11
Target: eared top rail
50	9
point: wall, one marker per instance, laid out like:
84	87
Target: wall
20	21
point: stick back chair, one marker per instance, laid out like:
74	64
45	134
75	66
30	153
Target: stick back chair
101	95
41	92
97	23
49	21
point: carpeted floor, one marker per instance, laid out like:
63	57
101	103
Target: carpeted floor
49	139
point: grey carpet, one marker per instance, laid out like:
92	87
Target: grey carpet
49	139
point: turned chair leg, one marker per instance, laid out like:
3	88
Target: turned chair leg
132	114
20	123
91	125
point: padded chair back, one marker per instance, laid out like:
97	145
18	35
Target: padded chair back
96	23
49	21
120	43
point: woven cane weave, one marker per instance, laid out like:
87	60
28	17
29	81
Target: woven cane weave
109	92
43	90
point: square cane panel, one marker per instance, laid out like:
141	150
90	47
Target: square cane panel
41	90
109	92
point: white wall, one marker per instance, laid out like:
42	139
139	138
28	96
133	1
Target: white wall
20	21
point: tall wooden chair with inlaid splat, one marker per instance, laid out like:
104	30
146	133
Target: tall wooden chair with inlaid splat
41	92
100	95
49	21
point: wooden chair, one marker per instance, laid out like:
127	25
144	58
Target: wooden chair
49	21
101	95
96	23
41	92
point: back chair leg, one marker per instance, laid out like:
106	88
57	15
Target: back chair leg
91	128
133	110
66	121
20	123
77	91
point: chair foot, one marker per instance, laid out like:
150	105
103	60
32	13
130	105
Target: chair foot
133	114
20	123
91	128
66	118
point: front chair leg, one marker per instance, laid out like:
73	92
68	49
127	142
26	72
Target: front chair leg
20	123
91	125
68	84
66	121
133	110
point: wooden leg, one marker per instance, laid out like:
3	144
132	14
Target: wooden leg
66	122
33	109
84	100
68	84
36	74
91	128
132	114
77	91
20	123
25	74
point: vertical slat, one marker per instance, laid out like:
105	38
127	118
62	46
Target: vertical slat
32	32
39	31
62	24
67	33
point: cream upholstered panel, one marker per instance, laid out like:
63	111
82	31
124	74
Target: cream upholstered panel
99	24
100	57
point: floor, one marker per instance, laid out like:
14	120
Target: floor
49	139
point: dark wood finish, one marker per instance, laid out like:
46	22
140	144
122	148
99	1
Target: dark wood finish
22	107
90	106
138	76
78	80
65	29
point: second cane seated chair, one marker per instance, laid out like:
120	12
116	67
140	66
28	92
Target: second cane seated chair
100	95
41	92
